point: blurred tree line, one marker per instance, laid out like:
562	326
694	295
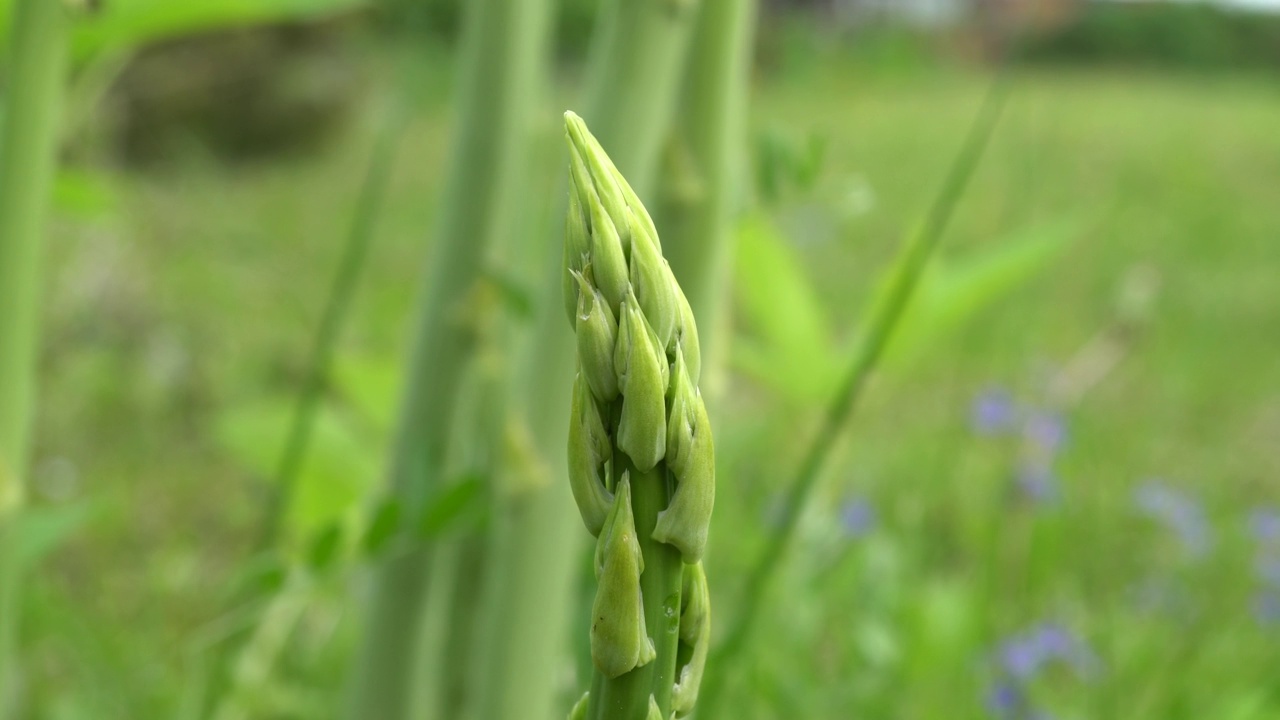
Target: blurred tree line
1169	34
245	93
1201	35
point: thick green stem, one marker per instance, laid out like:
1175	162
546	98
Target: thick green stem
636	70
28	154
503	50
627	697
457	695
452	647
637	63
881	324
529	595
707	163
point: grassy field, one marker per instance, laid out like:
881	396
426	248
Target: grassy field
1111	555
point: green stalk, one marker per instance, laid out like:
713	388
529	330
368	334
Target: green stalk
501	53
253	649
373	191
456	626
28	159
638	59
880	327
696	213
254	669
628	696
456	660
636	66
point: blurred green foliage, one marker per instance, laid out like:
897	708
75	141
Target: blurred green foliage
181	306
789	344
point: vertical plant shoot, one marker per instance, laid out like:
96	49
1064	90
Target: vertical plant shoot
641	457
28	149
502	47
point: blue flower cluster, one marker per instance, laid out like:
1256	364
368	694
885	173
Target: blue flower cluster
1177	511
1020	659
996	412
857	517
1265	527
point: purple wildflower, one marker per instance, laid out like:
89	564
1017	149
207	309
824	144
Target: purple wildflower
1266	607
1038	483
858	517
1178	511
1022	657
1005	700
1047	430
1265	524
993	412
1268	569
1058	642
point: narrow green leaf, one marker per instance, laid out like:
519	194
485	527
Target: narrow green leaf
384	526
787	344
452	504
325	548
886	316
953	294
516	297
262	575
335	475
369	384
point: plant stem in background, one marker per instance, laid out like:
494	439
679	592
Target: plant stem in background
881	323
452	649
697	206
29	134
247	661
373	191
501	54
636	66
255	663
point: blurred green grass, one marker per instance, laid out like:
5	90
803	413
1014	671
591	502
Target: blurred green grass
184	295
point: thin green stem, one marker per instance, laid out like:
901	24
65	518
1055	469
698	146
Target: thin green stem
880	328
256	662
373	192
502	52
627	697
228	658
28	160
